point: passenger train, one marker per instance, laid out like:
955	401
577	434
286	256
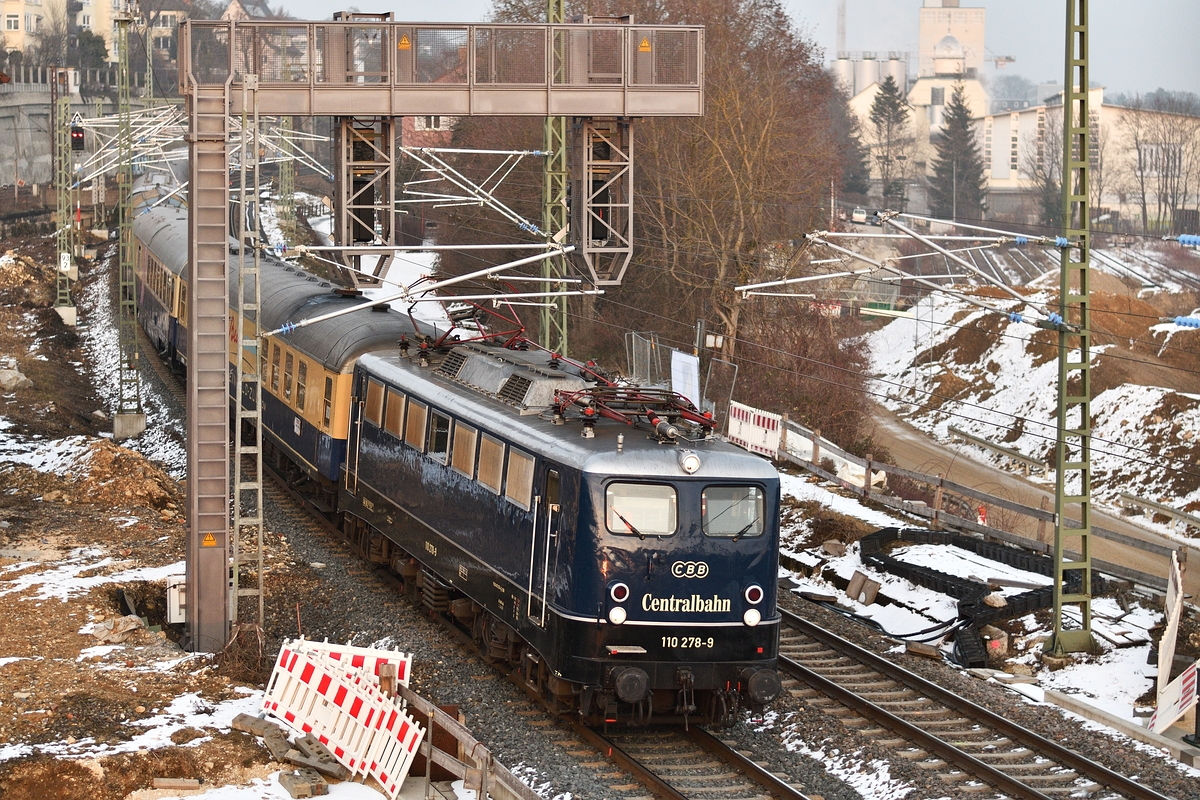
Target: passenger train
598	537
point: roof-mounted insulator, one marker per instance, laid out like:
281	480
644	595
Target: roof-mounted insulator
423	355
589	423
665	431
403	343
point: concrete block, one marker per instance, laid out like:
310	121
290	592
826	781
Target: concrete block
996	641
247	723
326	765
277	745
128	426
67	313
303	783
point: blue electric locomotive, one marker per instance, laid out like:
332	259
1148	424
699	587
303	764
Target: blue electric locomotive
629	570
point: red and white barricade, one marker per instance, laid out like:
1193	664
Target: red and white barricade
366	658
368	732
755	430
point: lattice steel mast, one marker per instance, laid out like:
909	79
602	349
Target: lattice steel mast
65	222
1073	447
130	420
553	330
247	561
286	208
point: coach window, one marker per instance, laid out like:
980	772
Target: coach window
518	486
414	430
275	369
491	462
301	383
640	509
374	410
288	365
462	452
733	511
328	400
393	421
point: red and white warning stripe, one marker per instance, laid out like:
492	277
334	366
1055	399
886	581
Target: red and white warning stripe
367	731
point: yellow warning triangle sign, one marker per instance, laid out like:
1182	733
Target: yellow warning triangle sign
209	540
644	47
405	43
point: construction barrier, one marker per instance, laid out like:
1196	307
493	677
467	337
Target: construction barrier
369	733
757	431
360	657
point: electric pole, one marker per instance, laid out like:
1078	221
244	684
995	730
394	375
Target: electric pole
130	419
553	331
1073	445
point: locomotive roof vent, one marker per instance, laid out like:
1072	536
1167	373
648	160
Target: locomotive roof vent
511	376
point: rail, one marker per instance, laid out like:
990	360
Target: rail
806	448
400	68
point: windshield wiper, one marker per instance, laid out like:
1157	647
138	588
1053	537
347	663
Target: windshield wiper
629	524
745	530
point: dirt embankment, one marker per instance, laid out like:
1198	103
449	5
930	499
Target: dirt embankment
87	527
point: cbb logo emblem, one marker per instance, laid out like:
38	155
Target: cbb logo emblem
689	569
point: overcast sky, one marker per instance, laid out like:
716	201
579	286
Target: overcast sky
1136	45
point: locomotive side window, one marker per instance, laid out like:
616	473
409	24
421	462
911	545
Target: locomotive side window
491	462
394	416
519	485
462	452
374	410
414	431
289	361
439	436
301	383
734	511
275	369
640	509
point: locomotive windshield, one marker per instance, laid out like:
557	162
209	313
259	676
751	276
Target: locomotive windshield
640	509
734	511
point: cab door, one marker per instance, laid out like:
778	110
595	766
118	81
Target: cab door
546	512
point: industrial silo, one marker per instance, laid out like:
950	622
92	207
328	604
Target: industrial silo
866	72
896	68
843	72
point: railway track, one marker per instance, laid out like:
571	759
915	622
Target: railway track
977	752
690	765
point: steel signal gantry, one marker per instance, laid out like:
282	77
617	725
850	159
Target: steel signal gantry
601	75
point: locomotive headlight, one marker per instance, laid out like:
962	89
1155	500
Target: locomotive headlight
754	594
616	615
619	592
689	462
751	617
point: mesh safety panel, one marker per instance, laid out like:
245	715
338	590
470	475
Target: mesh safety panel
210	55
664	57
441	55
508	55
275	54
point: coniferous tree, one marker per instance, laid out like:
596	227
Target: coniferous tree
892	137
958	188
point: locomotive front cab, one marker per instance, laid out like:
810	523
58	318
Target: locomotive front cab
683	590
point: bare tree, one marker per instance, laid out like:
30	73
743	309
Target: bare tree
52	38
